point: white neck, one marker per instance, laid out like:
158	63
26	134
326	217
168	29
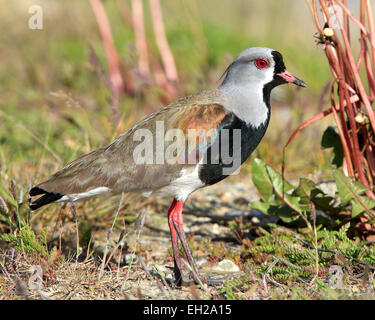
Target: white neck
246	103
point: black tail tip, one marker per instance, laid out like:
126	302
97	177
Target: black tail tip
46	198
36	191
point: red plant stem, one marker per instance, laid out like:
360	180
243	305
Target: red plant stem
370	157
346	22
370	75
351	92
371	32
361	54
344	94
298	129
111	52
162	42
339	50
116	81
342	136
140	38
330	52
158	73
356	152
364	50
125	12
305	124
315	118
357	155
362	92
169	88
347	11
350	83
368	160
326	14
312	7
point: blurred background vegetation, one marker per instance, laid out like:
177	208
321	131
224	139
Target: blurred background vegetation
54	107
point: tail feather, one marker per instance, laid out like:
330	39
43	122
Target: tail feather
46	198
35	191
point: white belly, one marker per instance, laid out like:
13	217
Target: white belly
181	188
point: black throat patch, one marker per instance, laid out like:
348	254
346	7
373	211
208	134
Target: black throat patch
276	81
279	62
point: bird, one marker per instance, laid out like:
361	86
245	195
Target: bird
193	142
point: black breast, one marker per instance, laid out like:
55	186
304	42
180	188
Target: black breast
230	149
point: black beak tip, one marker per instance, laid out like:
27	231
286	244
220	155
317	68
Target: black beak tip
300	83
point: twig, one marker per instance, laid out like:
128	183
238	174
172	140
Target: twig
106	261
73	208
142	262
265	275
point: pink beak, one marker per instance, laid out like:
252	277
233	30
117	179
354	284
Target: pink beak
288	77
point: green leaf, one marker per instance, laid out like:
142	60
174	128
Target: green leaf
345	186
327	203
359	187
358	208
260	179
305	190
267	180
287	215
350	191
331	139
277	181
261	206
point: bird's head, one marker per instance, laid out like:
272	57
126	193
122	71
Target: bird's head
260	66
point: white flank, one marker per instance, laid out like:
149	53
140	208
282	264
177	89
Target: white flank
182	186
84	195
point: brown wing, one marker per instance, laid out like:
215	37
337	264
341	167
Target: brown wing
114	166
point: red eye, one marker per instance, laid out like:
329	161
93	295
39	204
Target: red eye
261	63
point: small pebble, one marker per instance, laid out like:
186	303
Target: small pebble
227	266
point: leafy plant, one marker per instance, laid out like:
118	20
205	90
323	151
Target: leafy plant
25	240
293	204
288	202
285	257
17	231
227	290
350	102
353	114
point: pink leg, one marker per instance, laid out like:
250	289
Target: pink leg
175	222
176	254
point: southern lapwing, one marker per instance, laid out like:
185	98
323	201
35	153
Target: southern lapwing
191	143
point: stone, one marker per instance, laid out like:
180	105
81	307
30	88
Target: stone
226	266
